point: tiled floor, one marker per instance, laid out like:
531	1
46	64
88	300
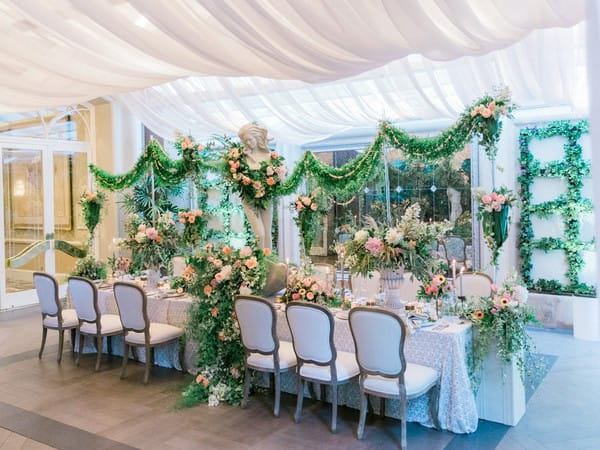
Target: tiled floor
69	407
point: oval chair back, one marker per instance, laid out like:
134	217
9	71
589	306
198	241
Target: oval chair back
46	288
475	284
132	303
257	322
365	286
312	332
84	295
380	352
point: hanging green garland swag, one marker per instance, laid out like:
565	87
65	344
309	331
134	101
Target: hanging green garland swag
570	206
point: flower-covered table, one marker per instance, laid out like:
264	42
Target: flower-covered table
441	349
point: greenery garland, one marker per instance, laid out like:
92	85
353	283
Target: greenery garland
220	273
570	206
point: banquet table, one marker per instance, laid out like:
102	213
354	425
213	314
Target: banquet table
442	347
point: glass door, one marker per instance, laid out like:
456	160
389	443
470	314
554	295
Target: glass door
23	202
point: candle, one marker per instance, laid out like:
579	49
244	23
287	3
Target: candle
287	271
462	270
454	272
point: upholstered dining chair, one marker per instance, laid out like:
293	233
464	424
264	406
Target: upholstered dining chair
319	362
262	349
139	331
54	317
474	284
365	286
84	295
379	340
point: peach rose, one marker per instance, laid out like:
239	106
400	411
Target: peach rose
214	312
251	263
267	251
207	290
226	250
270	181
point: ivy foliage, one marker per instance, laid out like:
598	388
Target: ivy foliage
570	206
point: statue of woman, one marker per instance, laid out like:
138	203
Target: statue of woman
255	139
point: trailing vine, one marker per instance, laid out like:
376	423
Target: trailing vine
571	205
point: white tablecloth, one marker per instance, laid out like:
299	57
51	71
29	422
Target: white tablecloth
443	350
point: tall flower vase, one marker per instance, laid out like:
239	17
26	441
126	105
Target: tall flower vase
392	280
153	278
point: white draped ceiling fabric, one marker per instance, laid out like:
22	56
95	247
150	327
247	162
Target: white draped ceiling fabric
546	68
70	51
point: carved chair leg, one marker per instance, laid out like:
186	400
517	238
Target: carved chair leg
363	415
277	393
300	392
382	407
148	364
44	334
125	358
98	352
61	341
80	341
246	387
73	338
403	423
334	407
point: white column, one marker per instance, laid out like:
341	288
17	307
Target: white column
289	241
586	312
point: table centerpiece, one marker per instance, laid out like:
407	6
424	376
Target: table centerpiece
393	249
152	246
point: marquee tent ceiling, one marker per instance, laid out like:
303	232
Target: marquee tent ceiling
69	51
413	88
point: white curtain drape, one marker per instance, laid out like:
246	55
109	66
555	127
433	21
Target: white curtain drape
69	51
288	247
546	68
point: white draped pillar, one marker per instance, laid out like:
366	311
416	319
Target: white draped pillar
289	242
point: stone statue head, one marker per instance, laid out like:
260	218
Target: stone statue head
254	138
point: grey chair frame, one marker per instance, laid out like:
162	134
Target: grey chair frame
483	274
301	381
98	334
275	353
149	349
364	392
60	328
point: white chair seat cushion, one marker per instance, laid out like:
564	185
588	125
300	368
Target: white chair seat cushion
159	333
69	317
345	365
109	323
417	379
287	358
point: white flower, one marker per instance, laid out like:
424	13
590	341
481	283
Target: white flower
139	237
361	235
520	294
213	400
226	272
245	290
393	236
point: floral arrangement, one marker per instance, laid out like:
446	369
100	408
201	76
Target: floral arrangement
193	222
485	116
389	247
309	210
502	319
191	152
435	289
90	268
182	283
309	289
151	246
120	264
494	215
91	205
257	187
220	273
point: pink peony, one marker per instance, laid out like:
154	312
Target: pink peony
151	233
493	196
245	251
295	296
374	245
501	199
486	199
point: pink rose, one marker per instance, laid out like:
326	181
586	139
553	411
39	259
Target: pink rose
151	233
493	196
306	200
486	199
270	171
486	113
313	206
295	296
374	246
501	199
245	251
